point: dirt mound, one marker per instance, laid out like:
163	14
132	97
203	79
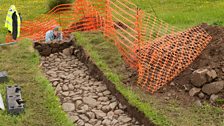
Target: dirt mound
211	58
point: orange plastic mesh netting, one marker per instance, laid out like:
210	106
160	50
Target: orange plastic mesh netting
156	49
167	56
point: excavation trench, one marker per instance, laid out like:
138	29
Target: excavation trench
86	95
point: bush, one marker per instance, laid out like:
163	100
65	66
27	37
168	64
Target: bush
53	3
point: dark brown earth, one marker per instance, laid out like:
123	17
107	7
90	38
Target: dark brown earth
212	57
45	49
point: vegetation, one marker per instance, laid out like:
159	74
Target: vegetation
53	3
185	13
156	109
42	106
100	53
29	9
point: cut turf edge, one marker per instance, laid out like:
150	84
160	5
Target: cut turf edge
133	99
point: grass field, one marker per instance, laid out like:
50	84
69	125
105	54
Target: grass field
29	9
42	106
185	13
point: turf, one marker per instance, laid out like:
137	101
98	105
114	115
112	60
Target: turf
185	13
100	52
29	9
42	106
171	113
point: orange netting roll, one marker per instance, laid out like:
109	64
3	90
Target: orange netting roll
169	55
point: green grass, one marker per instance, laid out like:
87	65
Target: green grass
100	53
42	106
171	113
29	9
185	13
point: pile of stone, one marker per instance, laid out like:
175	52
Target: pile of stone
87	101
206	83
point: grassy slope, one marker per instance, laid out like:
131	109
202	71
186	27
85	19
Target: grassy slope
29	9
162	113
100	52
42	106
178	13
186	13
21	63
181	14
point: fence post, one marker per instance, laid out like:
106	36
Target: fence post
139	41
138	28
108	22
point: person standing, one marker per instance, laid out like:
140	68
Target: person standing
13	22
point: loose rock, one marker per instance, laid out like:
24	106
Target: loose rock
87	101
194	91
213	88
65	88
74	118
201	95
83	117
199	77
67	52
198	103
68	107
213	98
90	101
80	122
99	113
113	105
124	119
211	75
106	122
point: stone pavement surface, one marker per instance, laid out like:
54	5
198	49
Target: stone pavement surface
87	101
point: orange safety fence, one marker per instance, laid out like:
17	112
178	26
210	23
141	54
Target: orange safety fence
156	49
167	56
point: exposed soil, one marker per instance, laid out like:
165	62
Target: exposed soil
45	49
212	57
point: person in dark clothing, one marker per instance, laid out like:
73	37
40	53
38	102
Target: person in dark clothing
20	17
15	26
13	22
